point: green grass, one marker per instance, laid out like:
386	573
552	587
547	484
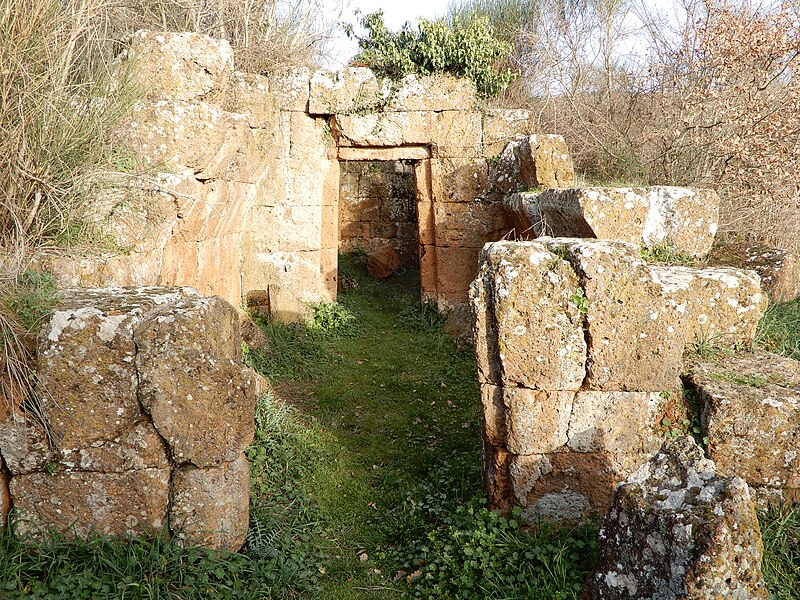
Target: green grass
780	528
394	408
779	329
365	484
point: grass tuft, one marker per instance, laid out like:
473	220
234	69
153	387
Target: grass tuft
779	329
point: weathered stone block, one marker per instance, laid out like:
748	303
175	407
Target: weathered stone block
310	137
722	306
291	89
191	383
751	416
300	228
77	502
625	422
197	135
568	486
249	94
778	269
534	161
527	321
455	270
181	66
350	90
678	530
683	218
383	129
456	133
636	339
501	126
138	448
468	224
91	335
24	444
458	179
537	422
211	506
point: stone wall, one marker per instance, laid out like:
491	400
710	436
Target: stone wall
378	206
243	201
580	348
143	412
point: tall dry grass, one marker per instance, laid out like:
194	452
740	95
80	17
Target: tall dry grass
266	35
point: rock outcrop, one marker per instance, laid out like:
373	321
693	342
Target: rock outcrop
143	404
677	529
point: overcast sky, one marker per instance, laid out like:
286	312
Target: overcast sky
395	14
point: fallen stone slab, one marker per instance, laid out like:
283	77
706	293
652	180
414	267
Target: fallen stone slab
684	219
677	529
750	415
778	269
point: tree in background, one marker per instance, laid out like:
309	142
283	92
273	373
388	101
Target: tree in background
464	47
709	96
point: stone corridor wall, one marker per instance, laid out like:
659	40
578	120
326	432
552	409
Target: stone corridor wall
580	349
242	200
144	412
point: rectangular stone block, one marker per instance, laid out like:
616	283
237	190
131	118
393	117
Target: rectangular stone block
383	129
291	89
456	133
79	503
310	137
191	382
568	486
751	416
618	422
636	340
284	229
721	305
468	224
202	514
683	218
458	179
537	422
534	335
346	91
456	268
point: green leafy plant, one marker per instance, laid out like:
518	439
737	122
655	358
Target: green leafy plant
464	48
332	318
422	316
580	300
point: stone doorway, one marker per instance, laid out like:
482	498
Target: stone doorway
385	203
378	210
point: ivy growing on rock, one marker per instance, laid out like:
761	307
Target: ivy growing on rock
464	47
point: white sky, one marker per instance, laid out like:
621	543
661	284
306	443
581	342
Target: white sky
395	14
